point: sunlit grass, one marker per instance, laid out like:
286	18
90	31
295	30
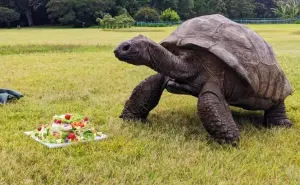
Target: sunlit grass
46	48
74	70
29	36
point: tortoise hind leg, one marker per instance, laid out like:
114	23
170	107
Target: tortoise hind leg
216	116
276	116
144	98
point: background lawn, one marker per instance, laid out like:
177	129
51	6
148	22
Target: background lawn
74	70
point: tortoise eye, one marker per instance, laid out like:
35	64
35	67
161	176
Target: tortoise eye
126	47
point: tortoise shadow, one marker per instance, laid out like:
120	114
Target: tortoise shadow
186	121
244	117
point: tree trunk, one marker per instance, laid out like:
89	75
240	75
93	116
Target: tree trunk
28	14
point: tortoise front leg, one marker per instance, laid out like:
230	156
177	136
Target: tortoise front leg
144	98
216	116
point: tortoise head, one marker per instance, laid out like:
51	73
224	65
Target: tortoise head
135	51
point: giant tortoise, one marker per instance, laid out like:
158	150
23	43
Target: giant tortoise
220	62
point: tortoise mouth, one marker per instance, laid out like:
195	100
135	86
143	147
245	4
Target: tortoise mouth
122	52
131	57
121	56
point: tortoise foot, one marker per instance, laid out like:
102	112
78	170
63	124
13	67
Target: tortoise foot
276	116
279	123
130	117
228	141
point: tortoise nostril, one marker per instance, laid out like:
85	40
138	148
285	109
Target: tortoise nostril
126	47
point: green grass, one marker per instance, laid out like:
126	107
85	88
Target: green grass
74	70
46	48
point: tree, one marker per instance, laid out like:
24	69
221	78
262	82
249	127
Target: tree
217	6
185	8
240	8
147	14
27	6
128	21
61	11
124	20
85	12
108	21
287	9
132	6
164	4
201	7
7	4
263	8
78	12
8	15
88	10
170	15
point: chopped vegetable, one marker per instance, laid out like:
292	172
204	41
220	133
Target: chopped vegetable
65	129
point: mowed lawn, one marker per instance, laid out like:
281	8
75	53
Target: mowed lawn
74	70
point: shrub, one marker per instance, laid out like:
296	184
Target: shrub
98	21
124	20
156	24
147	14
120	21
297	21
122	11
169	15
108	21
8	15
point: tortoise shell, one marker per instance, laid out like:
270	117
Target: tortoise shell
240	48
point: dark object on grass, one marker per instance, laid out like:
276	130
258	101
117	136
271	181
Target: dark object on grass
218	61
6	95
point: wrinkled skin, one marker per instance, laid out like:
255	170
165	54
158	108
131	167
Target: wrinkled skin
197	72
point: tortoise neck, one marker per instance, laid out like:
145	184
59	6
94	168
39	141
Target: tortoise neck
168	64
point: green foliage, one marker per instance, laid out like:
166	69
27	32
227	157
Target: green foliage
147	14
203	7
185	8
169	15
84	12
61	11
164	4
26	7
8	15
297	21
131	6
120	21
124	20
99	21
217	6
287	9
77	12
156	24
108	21
264	8
240	8
28	4
122	11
